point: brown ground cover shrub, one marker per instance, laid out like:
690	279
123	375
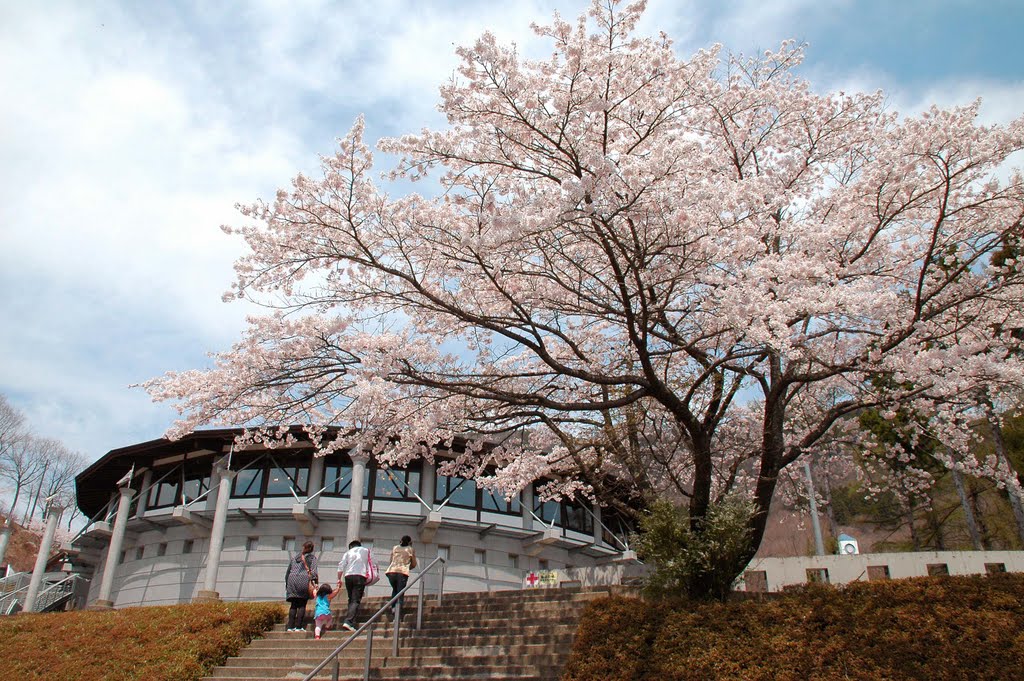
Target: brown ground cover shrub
929	628
162	643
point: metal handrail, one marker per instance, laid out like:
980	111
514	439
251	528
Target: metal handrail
56	591
370	623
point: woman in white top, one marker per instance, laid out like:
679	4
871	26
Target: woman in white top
403	558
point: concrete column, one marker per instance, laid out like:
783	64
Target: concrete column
220	519
355	501
211	498
53	514
5	538
527	508
316	480
147	479
428	486
598	530
103	601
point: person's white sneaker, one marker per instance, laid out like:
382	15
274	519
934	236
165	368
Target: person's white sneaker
347	626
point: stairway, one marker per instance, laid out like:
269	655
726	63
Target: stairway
499	636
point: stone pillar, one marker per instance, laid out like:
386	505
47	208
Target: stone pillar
355	500
53	514
220	519
316	480
5	538
527	509
103	601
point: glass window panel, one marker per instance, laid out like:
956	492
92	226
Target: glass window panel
164	493
338	479
279	482
389	486
413	480
461	491
301	478
577	518
195	486
248	483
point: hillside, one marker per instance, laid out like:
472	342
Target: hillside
22	548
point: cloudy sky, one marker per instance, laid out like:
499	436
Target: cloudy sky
128	131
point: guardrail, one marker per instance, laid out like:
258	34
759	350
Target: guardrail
371	623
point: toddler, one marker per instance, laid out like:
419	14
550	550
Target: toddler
322	614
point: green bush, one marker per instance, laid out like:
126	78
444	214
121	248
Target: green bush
164	643
933	629
689	563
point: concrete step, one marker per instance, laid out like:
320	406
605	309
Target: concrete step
498	636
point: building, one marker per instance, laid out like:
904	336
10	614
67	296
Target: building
199	518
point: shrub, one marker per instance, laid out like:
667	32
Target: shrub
163	643
695	564
932	628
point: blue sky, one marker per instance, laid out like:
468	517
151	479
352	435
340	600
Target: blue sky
129	130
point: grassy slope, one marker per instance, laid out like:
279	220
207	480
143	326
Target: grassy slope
176	643
928	628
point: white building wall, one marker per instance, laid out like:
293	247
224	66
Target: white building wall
793	571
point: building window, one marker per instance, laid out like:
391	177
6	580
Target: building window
396	483
542	564
755	581
479	557
194	486
577	516
163	493
180	486
994	568
338	478
139	552
494	501
817	576
248	484
120	558
513	561
456	491
281	480
878	573
252	543
327	544
187	546
938	569
161	550
548	511
443	552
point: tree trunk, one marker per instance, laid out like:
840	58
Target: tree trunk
1004	465
979	516
830	514
915	538
972	526
39	492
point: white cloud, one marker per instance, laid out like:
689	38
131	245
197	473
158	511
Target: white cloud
129	130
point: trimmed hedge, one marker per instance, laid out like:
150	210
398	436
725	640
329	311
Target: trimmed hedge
162	643
927	628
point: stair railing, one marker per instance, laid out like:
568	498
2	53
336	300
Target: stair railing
58	591
369	625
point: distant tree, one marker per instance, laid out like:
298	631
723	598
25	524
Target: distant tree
22	467
708	241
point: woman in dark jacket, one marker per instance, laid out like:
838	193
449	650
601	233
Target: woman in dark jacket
301	569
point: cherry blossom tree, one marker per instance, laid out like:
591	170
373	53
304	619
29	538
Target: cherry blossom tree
642	270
